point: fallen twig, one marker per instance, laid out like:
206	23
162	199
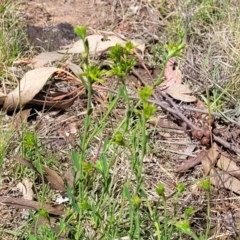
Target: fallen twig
192	162
226	144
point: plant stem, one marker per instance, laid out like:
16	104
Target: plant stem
208	214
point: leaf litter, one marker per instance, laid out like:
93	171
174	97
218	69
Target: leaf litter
51	176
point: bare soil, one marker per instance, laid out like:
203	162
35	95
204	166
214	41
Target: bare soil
50	23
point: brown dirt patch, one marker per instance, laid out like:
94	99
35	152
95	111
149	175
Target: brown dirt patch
50	23
78	12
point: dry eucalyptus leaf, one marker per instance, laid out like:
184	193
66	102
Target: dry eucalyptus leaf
78	47
69	177
54	179
99	44
25	188
222	179
180	92
26	162
51	176
46	58
229	166
61	104
29	204
192	162
74	68
53	222
209	160
21	118
2	98
172	74
201	105
31	83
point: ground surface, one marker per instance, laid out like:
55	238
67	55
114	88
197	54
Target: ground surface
49	26
97	15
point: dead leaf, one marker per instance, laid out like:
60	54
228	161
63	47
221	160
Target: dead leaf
78	46
168	123
164	134
188	151
224	180
31	83
25	188
69	177
229	166
2	98
62	104
180	92
29	204
27	163
51	176
21	118
73	93
54	179
172	74
46	58
53	222
209	160
99	44
219	178
74	68
201	105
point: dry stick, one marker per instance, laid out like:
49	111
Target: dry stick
166	106
143	65
192	162
217	139
158	102
228	145
179	113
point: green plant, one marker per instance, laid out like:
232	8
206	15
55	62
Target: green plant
5	139
167	52
92	201
12	35
206	185
101	206
169	224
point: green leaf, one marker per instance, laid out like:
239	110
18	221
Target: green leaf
75	159
180	188
145	93
184	226
206	185
81	31
188	212
160	190
148	110
136	201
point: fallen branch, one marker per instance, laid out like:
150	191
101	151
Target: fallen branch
192	162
